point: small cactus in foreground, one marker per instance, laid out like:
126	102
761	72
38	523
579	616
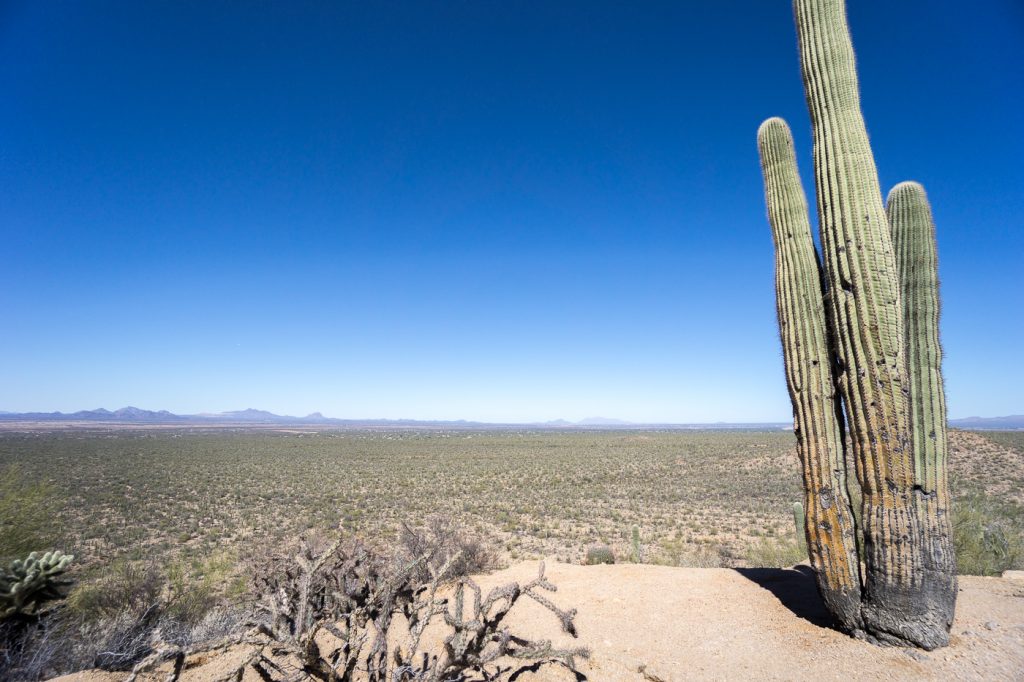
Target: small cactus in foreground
29	583
859	332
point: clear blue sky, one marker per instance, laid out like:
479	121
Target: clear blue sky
483	210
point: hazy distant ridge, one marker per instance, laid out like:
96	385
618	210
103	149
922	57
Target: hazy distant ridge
1011	423
125	414
253	416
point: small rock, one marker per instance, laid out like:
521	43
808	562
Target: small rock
915	654
967	633
991	625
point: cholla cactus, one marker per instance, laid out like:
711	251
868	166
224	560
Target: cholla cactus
29	583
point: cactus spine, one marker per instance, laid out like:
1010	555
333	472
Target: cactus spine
908	588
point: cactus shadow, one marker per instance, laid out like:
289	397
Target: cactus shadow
795	588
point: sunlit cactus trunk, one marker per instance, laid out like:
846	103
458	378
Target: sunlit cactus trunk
908	587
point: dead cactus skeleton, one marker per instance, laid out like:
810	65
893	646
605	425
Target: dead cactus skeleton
327	615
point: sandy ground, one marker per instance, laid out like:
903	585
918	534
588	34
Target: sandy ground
651	623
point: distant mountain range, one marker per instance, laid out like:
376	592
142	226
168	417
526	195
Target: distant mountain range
1013	422
125	414
140	416
250	416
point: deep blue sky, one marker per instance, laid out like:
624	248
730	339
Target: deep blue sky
483	210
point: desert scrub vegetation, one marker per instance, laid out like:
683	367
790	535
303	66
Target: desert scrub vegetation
113	620
988	533
989	461
775	553
443	549
315	608
1012	440
169	527
988	512
599	554
178	498
169	495
28	509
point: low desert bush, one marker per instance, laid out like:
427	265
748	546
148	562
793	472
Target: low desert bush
26	514
775	553
988	535
117	619
124	587
680	553
444	543
599	554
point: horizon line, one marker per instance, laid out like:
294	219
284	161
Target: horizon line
317	415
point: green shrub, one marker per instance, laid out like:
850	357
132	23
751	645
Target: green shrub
775	553
681	553
26	516
600	554
988	535
125	587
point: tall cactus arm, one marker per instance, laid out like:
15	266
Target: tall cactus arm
913	232
910	583
807	354
859	258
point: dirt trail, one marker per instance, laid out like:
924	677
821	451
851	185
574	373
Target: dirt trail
649	623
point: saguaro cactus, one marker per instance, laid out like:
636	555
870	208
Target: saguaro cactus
845	331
